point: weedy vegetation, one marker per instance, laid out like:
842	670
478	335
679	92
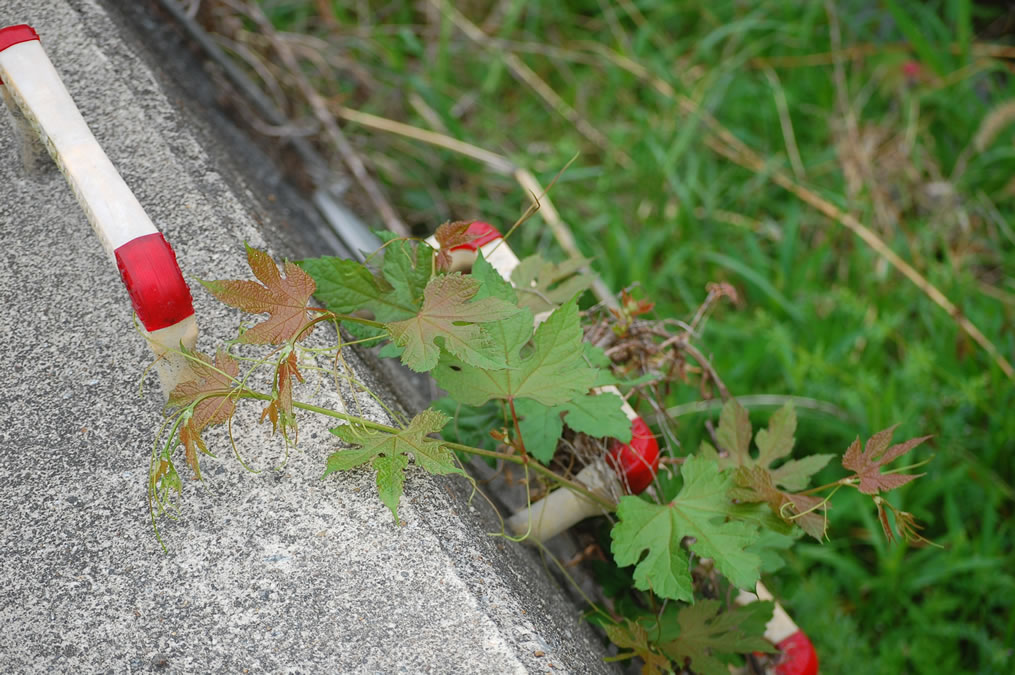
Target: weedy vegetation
845	168
703	529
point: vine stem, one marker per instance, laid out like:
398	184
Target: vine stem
518	431
846	481
538	468
328	315
514	459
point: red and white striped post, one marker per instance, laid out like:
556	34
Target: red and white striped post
627	468
46	117
798	654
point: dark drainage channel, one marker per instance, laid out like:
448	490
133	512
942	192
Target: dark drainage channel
318	213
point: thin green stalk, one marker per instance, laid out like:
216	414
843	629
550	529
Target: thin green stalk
538	468
515	459
328	315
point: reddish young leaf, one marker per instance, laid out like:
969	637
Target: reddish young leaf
282	405
210	380
211	390
734	434
876	454
284	299
755	484
450	235
192	441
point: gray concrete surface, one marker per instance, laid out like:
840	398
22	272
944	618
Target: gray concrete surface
274	572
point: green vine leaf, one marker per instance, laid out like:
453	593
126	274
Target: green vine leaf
708	639
448	315
699	510
284	299
756	480
631	635
598	415
553	371
388	453
875	455
346	286
541	427
774	443
543	285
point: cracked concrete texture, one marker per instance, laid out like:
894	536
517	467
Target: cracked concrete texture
270	572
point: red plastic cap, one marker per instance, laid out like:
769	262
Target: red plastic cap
152	276
481	233
637	461
799	657
15	35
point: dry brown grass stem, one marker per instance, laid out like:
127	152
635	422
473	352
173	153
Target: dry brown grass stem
706	366
998	294
832	211
722	141
536	83
499	163
855	52
320	109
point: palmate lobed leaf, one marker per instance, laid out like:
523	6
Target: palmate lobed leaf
598	415
388	453
543	285
553	372
699	510
210	392
284	299
709	639
632	636
756	481
774	443
447	314
345	286
876	454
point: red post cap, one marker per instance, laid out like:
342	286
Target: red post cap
481	233
799	657
15	35
153	279
637	461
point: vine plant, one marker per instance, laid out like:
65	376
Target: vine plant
701	530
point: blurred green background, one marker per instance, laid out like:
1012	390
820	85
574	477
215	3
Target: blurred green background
901	113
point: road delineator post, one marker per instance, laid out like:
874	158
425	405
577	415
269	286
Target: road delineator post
46	118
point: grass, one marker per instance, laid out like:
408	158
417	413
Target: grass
893	112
